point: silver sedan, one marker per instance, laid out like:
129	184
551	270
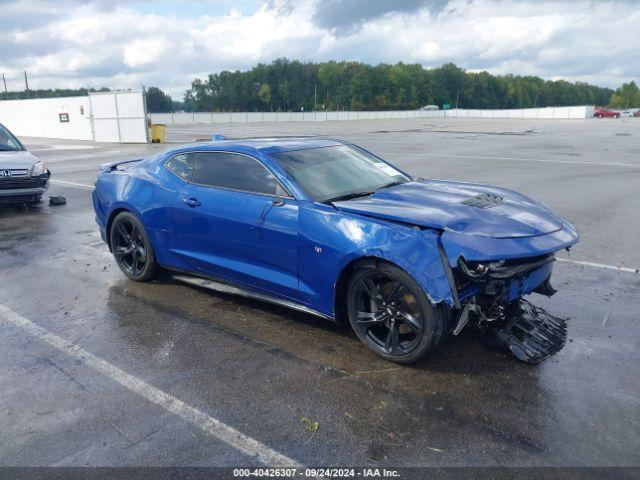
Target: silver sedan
23	178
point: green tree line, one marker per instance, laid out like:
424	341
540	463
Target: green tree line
285	85
627	96
158	101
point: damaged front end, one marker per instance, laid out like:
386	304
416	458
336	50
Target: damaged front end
489	294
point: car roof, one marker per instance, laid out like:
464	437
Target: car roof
262	145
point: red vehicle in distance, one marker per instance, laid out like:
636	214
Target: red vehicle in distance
604	113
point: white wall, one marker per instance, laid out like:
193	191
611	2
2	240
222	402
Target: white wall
101	117
118	116
248	117
575	112
39	117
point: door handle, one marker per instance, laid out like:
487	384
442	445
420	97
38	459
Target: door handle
267	208
192	202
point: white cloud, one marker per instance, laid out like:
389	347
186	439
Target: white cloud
103	44
145	51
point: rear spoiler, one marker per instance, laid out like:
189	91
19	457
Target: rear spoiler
119	165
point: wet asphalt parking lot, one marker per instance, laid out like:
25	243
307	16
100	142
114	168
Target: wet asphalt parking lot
98	370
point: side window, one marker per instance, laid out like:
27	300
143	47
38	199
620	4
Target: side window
182	165
234	171
8	141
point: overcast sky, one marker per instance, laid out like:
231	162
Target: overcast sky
167	43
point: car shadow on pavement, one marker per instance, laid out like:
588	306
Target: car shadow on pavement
305	336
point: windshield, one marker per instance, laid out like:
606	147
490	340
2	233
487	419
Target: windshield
8	142
338	172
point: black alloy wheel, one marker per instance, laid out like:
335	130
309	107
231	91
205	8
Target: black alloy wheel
131	248
390	313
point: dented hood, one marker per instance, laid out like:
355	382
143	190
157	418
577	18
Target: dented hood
439	204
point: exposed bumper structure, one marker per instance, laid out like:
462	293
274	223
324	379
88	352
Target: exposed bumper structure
489	288
23	189
492	294
507	280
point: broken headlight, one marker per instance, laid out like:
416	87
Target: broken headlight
39	169
501	269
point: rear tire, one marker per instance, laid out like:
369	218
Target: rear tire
131	248
391	314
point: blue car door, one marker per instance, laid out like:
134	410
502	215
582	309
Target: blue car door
233	220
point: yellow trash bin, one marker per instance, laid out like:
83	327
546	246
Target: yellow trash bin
157	133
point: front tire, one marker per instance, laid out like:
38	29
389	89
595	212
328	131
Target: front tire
131	248
391	314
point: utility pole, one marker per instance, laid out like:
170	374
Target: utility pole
315	96
457	97
6	92
26	82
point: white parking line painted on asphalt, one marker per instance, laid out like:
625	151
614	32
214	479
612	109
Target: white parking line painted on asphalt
214	427
543	160
71	184
599	265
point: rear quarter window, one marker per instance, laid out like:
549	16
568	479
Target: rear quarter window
182	165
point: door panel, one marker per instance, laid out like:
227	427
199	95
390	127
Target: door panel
277	241
218	230
243	237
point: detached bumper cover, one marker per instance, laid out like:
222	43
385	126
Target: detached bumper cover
530	333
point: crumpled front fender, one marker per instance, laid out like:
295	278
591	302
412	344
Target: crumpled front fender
331	240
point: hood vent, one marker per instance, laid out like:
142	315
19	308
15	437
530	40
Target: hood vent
484	200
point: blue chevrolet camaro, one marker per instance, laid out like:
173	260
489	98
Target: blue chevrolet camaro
329	228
